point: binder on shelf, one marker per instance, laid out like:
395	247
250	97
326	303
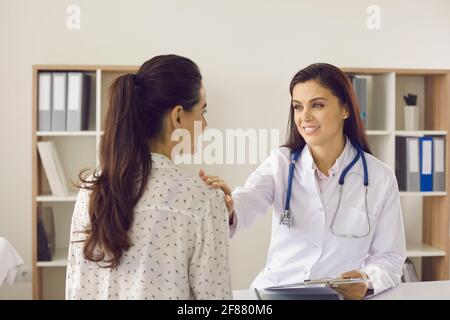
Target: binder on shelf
45	101
53	168
438	164
426	163
78	90
360	87
46	234
407	167
59	101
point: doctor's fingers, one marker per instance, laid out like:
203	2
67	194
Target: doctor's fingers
205	177
354	274
229	203
212	179
354	291
202	174
217	183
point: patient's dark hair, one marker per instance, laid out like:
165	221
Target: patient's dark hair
137	106
339	83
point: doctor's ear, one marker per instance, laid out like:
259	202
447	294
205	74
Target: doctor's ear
346	112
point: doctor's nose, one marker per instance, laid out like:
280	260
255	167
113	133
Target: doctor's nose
306	117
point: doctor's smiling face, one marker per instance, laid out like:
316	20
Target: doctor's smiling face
318	114
324	109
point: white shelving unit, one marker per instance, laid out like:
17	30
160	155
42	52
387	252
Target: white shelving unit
59	259
66	133
77	151
424	194
51	198
419	250
420	133
426	214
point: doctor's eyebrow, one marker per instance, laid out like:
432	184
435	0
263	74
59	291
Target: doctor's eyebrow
313	99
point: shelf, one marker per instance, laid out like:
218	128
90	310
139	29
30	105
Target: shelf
378	132
59	260
423	250
420	133
424	194
66	133
52	198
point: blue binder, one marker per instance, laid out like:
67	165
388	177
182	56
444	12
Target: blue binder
426	163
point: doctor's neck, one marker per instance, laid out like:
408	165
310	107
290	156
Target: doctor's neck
325	155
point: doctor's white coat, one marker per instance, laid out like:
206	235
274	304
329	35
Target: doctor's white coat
309	250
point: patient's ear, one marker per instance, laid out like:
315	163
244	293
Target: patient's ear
176	117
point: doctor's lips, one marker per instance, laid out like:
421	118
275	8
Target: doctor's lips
310	129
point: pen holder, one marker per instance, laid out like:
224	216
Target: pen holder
411	117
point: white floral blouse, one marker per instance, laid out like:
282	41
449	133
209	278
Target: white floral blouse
179	244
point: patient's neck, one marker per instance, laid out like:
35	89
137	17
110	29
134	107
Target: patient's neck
161	147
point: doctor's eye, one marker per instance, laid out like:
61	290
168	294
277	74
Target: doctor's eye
297	107
318	105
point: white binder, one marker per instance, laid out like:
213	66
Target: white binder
45	101
439	164
59	101
78	85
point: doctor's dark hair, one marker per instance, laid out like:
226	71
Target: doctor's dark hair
137	106
339	84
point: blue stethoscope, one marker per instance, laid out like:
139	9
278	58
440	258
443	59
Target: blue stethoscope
286	216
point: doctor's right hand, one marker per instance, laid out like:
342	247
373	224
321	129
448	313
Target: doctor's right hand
217	183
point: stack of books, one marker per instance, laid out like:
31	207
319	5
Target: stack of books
53	168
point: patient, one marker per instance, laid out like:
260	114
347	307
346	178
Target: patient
142	228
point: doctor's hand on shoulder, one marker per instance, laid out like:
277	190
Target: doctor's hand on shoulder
217	183
353	291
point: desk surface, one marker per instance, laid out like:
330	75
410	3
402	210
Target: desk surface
433	290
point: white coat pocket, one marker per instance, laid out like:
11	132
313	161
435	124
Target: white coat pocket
351	221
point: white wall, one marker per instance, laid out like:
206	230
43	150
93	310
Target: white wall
247	51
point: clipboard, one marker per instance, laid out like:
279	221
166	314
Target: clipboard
324	282
311	292
317	289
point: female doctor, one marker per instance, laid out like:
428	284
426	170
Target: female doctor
336	208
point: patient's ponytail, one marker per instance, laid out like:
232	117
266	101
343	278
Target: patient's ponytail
137	106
